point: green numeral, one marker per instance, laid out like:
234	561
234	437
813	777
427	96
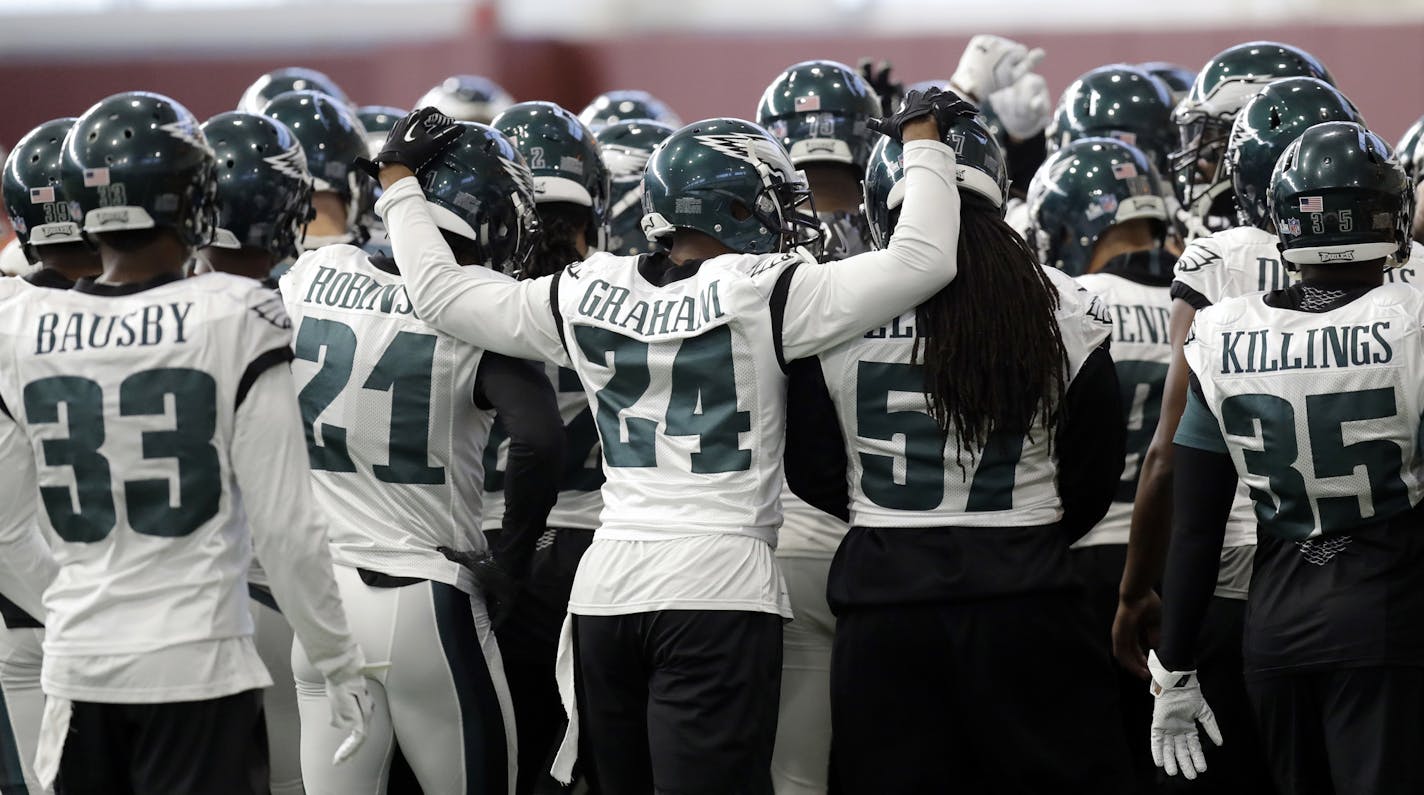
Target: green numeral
405	369
1142	384
1285	506
84	401
923	485
580	434
627	358
195	397
326	448
995	473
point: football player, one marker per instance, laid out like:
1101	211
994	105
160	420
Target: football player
819	111
332	138
625	148
1222	265
377	121
43	211
612	107
1321	420
467	98
1097	211
678	603
1411	158
264	195
397	417
291	78
147	513
956	564
571	194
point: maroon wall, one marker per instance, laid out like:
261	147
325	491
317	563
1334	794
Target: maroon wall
700	76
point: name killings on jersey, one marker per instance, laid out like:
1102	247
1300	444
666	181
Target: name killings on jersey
1270	350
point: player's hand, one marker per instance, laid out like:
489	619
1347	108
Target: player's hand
1179	706
878	76
351	708
991	63
496	584
1024	107
943	107
1136	628
415	140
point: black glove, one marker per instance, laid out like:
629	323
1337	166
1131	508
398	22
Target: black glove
415	140
878	76
497	585
945	106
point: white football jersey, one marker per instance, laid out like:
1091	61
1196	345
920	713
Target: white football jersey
129	401
905	472
1232	262
395	438
1142	349
580	500
1320	411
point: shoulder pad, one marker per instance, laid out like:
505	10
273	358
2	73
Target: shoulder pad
1200	253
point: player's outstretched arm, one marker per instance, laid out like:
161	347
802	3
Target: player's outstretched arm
828	303
27	566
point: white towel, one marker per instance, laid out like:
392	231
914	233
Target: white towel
563	769
54	727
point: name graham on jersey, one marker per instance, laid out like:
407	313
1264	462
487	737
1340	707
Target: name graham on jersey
63	332
609	303
1268	350
356	291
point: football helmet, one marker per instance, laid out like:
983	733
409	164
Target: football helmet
1116	101
981	170
564	158
291	78
332	138
1204	116
1083	189
818	110
1339	195
264	188
626	147
988	117
611	107
1177	79
1265	126
481	190
1410	153
34	196
378	120
139	160
732	181
467	98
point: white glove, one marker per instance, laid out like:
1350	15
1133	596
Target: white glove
1024	107
351	708
990	63
1178	707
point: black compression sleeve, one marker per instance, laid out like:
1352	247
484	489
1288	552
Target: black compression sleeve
815	458
521	393
1204	486
1090	445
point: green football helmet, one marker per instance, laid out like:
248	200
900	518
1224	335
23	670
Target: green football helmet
1082	190
264	189
818	110
612	107
378	120
980	170
1204	116
1116	101
140	161
626	147
1410	153
292	78
481	190
1339	195
707	174
332	138
34	196
467	98
1265	126
564	158
1176	78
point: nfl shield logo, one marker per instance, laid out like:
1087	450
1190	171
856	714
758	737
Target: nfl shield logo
1293	227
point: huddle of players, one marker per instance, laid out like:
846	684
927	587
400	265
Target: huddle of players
927	525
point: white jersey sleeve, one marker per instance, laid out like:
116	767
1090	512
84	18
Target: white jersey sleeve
829	303
474	304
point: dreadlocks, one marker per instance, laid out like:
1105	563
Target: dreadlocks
561	223
993	352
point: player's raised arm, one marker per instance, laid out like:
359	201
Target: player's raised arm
475	304
828	303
